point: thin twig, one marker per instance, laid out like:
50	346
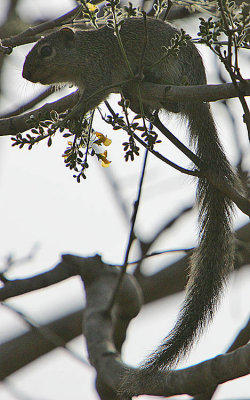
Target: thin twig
118	36
10	260
131	235
158	253
89	134
29	35
145	42
166	226
167	10
228	64
166	132
171	223
52	337
30	104
167	161
156	153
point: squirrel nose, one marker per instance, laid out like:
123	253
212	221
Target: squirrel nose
26	73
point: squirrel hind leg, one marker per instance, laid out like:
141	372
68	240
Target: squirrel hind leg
171	107
135	106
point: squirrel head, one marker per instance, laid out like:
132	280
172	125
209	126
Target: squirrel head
48	60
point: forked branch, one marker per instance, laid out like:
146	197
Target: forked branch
105	334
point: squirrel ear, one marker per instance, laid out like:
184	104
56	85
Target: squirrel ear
67	35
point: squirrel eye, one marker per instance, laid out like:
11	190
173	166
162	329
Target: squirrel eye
46	51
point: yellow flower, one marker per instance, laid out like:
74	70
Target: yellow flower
103	157
91	7
107	141
106	163
103	139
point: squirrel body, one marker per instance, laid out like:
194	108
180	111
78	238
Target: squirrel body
92	60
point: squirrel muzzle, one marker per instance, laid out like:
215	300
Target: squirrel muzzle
27	74
31	74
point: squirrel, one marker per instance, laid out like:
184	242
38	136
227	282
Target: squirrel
92	60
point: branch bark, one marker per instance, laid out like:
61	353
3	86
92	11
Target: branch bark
22	350
169	280
105	333
205	93
113	376
173	278
229	191
194	379
14	125
241	339
30	104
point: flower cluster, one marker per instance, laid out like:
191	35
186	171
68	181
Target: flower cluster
84	140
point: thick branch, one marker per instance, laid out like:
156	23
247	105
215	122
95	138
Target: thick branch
104	353
173	278
59	273
241	339
169	280
228	190
30	104
13	125
22	350
205	93
192	380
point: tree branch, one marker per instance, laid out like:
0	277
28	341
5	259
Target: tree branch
22	350
92	270
173	278
59	273
13	125
228	190
192	380
33	344
169	280
30	35
113	376
204	93
30	104
241	339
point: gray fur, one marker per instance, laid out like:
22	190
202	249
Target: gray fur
92	60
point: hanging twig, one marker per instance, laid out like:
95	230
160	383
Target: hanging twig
131	235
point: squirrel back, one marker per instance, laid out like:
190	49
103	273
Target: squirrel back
92	60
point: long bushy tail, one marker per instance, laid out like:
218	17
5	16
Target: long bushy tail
212	262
